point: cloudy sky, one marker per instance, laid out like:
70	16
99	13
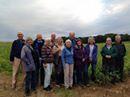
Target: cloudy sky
85	17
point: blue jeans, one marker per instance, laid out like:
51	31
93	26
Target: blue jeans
86	70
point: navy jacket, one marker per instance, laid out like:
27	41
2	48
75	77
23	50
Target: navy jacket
16	49
94	54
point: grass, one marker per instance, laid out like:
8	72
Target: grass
5	66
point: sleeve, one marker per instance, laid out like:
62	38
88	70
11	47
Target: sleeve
114	54
63	56
124	50
96	52
12	52
103	52
23	56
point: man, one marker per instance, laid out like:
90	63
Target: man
72	38
15	58
37	45
73	42
121	52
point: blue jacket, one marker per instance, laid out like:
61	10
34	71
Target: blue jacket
94	53
37	45
27	58
67	56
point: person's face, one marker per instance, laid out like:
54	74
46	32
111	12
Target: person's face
53	36
39	37
30	42
118	39
68	44
79	43
20	36
59	41
72	35
91	41
47	42
108	41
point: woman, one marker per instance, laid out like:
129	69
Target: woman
91	50
59	65
68	64
79	57
47	59
109	53
121	52
29	64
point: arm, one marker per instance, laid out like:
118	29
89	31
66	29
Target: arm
12	51
103	53
114	54
63	56
24	56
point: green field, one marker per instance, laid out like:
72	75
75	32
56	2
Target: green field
5	65
93	91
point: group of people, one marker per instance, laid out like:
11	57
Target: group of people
70	61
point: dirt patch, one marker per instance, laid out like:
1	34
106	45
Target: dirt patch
118	90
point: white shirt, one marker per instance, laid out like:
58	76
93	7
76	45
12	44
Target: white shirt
91	50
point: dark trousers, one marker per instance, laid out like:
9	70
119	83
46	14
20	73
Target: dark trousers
79	75
42	75
59	78
86	72
37	73
30	81
120	68
109	69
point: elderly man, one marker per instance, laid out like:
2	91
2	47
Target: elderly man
15	58
72	38
121	52
37	45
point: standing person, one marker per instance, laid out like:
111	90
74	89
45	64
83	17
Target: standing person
79	58
15	58
37	45
72	38
121	52
73	42
59	65
55	54
29	64
91	50
68	64
109	53
47	58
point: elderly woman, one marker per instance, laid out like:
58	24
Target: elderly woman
68	64
79	57
29	64
121	52
47	59
91	50
109	53
59	65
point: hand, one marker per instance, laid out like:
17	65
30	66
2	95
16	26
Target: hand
44	65
108	56
83	59
11	62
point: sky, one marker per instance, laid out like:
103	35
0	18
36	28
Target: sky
84	17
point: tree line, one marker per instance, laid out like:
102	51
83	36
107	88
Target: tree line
102	38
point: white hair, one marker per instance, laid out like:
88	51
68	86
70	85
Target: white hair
68	40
